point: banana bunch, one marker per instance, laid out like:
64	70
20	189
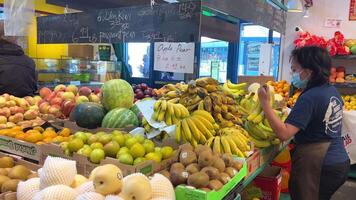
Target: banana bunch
232	140
170	91
146	125
236	90
169	112
197	128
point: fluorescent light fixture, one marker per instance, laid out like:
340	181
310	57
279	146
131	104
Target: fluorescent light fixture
295	6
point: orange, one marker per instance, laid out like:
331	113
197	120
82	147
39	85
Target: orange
20	136
34	137
17	128
65	132
49	134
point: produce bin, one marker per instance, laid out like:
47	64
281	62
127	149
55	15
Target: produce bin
20	148
187	193
270	183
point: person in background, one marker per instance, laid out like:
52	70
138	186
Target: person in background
146	66
319	163
17	71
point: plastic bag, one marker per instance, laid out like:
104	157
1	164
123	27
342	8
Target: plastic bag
349	134
18	16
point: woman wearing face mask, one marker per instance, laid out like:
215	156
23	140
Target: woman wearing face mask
320	163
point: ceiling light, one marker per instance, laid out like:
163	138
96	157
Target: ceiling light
295	6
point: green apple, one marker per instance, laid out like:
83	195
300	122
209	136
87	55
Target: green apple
167	152
149	141
122	150
153	156
75	144
97	145
137	150
100	133
86	151
139	160
126	158
140	138
92	139
149	147
111	149
116	133
64	145
82	136
104	139
97	155
127	136
131	141
158	151
88	134
119	139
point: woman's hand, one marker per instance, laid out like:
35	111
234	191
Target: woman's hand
263	95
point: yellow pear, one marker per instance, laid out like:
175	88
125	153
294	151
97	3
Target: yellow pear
108	180
19	172
78	181
6	162
136	187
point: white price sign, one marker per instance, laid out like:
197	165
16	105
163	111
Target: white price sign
174	57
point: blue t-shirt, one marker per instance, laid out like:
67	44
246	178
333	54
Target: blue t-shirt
318	114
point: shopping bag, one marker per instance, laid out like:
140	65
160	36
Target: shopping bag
349	134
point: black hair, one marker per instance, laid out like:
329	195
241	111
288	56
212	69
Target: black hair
316	59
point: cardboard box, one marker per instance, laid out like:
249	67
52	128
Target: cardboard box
21	148
270	183
84	166
253	162
74	127
20	161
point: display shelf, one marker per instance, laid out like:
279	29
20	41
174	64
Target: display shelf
346	57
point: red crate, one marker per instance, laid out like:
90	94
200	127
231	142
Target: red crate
270	183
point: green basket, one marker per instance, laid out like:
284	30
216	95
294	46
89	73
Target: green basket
186	193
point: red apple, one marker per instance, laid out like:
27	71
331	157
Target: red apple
67	107
68	96
72	88
84	91
30	100
45	92
31	114
139	95
60	94
97	91
60	87
50	96
56	101
44	107
54	110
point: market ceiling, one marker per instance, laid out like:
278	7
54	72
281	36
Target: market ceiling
87	5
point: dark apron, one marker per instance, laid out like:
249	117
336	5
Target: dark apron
307	163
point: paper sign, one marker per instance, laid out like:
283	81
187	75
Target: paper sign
146	108
174	57
332	23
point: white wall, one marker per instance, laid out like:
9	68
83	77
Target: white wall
314	24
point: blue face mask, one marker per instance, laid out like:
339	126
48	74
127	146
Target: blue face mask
297	82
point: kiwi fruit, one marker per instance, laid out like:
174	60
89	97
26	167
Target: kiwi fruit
205	159
3	172
187	147
10	185
205	189
219	164
192	168
227	158
200	148
33	175
230	171
176	166
19	172
198	180
215	185
237	165
6	162
3	179
224	178
178	176
187	157
212	172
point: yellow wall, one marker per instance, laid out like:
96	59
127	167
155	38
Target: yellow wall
44	50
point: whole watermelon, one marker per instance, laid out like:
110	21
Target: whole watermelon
119	118
137	112
117	93
88	114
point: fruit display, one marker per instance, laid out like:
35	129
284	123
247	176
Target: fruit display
117	93
22	112
37	135
169	112
59	180
281	88
11	174
202	169
349	102
337	75
120	118
351	43
235	90
293	99
351	78
142	91
63	99
128	149
256	124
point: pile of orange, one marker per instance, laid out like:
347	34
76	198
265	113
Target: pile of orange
293	99
281	87
37	135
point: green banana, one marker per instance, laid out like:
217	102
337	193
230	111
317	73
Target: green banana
260	143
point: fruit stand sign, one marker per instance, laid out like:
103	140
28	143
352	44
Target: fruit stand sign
24	149
174	57
352	10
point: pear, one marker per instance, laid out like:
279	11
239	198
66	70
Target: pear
136	187
108	180
19	172
78	181
6	162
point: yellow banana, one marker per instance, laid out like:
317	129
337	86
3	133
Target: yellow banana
265	128
240	86
258	118
177	111
184	111
178	132
216	147
147	128
170	108
164	105
186	130
206	123
260	143
202	139
174	119
157	105
201	127
205	114
171	94
194	142
225	145
210	141
240	144
216	126
175	100
161	115
193	129
234	149
171	87
168	119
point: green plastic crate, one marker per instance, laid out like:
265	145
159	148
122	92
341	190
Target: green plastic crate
186	193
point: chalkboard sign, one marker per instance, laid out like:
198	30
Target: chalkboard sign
178	22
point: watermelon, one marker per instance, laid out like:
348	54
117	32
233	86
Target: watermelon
117	93
88	114
119	118
137	112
